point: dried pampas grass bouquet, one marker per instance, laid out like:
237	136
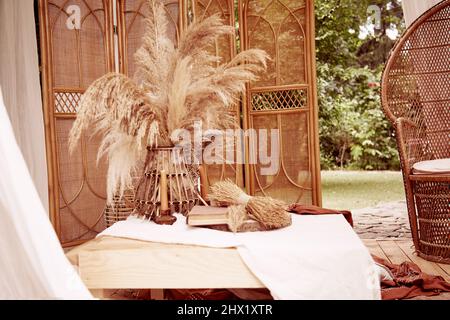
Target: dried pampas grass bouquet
175	85
271	213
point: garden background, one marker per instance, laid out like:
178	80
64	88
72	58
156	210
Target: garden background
352	45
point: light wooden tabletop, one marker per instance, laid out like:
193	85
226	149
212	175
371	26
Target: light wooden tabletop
112	263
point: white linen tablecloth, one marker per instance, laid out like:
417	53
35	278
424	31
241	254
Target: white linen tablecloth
317	257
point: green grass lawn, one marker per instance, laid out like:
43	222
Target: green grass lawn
360	189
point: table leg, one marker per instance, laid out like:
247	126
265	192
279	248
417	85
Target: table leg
98	293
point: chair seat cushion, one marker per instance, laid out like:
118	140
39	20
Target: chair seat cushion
438	166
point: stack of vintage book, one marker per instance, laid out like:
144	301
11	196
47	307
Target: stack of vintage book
218	218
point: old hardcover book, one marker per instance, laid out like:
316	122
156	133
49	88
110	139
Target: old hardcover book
248	226
204	216
217	218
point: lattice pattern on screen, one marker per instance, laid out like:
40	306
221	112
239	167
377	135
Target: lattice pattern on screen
279	100
67	102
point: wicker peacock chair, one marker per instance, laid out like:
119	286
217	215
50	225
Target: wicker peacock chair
416	98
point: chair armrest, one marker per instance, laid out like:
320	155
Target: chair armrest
411	143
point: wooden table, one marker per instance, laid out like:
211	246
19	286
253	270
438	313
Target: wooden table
118	263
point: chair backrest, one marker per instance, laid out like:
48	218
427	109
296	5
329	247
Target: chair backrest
416	80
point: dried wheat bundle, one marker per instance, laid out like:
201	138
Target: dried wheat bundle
237	214
271	213
173	87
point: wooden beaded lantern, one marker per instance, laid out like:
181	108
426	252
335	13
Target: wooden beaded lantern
180	187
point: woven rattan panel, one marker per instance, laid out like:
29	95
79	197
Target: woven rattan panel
225	45
283	97
225	48
75	43
292	182
82	187
132	15
279	27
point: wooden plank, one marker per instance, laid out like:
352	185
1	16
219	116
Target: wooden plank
113	243
374	248
426	266
445	268
393	251
176	267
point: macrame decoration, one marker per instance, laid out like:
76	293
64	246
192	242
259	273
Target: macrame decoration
173	87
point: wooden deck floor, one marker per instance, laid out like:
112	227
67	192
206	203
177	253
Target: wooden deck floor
398	251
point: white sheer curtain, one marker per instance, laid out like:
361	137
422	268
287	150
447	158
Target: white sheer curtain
32	261
412	9
19	78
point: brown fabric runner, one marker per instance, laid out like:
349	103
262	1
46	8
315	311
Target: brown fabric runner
314	210
409	281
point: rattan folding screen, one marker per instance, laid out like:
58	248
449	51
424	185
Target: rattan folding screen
74	55
71	59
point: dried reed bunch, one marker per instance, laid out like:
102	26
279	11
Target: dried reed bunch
271	213
173	87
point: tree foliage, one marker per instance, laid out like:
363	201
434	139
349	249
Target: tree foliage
354	132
